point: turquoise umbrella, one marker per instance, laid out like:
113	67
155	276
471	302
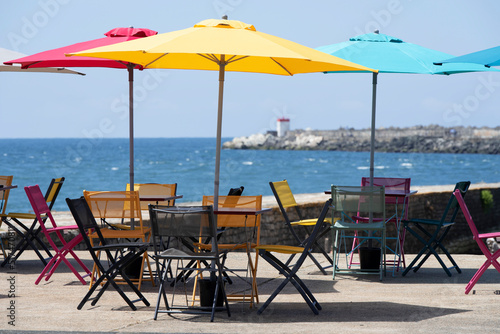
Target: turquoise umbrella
488	57
391	55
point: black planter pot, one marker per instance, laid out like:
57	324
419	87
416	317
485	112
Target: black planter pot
133	270
207	292
369	258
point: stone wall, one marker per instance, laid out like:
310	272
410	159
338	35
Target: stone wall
422	205
425	204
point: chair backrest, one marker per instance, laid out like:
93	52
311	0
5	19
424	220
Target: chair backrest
236	191
285	199
53	190
39	205
465	210
85	220
37	200
155	189
114	204
283	194
451	210
5	180
253	202
350	201
390	183
188	222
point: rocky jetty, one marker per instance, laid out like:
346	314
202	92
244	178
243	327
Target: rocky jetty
422	139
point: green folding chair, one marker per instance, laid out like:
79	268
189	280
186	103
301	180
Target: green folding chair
359	212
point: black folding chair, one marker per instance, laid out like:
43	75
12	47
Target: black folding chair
177	223
265	251
432	232
31	234
129	252
185	274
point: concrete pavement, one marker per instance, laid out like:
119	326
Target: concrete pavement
427	301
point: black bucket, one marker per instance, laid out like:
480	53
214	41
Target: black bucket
369	258
133	270
207	292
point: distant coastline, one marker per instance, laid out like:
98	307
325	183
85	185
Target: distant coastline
421	139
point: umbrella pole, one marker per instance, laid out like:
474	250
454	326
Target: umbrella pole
130	69
222	66
372	140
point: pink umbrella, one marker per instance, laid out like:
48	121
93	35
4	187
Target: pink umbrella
57	58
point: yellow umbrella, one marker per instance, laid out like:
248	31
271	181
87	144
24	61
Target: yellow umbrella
223	45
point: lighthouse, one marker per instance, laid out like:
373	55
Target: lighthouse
283	126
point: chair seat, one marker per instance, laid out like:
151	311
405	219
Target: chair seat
489	235
62	228
22	215
339	225
184	254
309	222
428	222
281	249
366	219
120	226
117	234
128	245
226	246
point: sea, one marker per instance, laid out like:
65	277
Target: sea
103	164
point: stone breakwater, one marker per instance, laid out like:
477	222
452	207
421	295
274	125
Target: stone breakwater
422	139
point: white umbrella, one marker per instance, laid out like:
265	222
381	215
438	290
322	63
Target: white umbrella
6	55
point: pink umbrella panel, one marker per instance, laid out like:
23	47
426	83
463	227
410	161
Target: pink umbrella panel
57	58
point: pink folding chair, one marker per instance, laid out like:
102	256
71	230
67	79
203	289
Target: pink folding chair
491	259
42	210
399	185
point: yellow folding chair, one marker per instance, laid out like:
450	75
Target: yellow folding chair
286	201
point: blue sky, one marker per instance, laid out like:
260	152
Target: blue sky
184	103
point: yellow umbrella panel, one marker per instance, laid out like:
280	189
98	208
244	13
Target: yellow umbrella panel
223	45
245	50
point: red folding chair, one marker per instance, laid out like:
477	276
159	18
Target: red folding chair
42	210
491	259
